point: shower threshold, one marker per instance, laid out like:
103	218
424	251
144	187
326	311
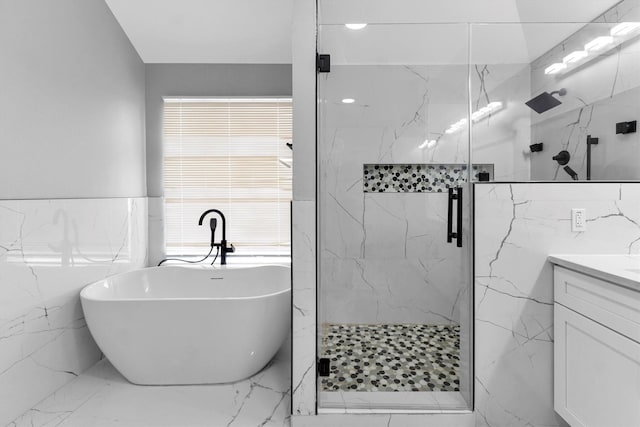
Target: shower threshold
390	402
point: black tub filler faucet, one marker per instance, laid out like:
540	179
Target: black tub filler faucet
223	244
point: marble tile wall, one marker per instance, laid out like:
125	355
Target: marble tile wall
49	250
503	138
156	230
615	157
303	249
304	309
384	256
516	227
403	270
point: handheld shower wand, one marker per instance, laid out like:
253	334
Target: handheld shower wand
571	172
213	222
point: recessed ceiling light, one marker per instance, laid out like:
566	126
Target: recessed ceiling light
355	26
348	101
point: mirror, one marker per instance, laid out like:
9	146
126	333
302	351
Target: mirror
568	97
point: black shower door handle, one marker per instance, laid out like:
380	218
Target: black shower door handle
450	216
459	212
454	194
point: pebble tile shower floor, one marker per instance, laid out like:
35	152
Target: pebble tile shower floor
404	357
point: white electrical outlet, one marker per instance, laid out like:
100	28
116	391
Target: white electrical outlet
578	219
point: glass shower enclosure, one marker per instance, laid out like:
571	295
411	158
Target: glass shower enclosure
410	118
394	293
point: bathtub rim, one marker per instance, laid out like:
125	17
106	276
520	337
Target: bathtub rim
86	288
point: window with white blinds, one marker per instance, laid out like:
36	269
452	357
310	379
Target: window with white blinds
231	155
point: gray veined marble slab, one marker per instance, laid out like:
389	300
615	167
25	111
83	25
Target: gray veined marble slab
623	270
517	226
49	250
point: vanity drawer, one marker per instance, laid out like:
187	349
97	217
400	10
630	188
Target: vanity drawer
612	305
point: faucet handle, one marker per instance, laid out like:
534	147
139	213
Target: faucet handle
231	248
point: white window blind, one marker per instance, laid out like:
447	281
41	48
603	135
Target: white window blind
231	155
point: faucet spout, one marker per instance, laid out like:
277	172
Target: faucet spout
224	227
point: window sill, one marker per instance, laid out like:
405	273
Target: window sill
233	261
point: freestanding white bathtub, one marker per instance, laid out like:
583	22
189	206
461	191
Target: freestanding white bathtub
180	325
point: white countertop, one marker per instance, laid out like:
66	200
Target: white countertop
623	270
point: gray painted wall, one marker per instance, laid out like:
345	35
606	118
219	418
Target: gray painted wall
203	80
72	110
72	101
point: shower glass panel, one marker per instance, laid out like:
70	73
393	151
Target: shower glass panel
394	326
565	95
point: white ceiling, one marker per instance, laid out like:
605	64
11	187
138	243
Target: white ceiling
454	11
207	31
260	31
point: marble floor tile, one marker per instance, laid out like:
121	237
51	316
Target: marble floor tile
101	397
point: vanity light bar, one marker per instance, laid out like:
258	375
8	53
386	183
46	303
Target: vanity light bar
456	126
555	68
492	107
624	28
575	56
476	116
598	43
620	33
428	143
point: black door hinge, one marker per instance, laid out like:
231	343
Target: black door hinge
323	63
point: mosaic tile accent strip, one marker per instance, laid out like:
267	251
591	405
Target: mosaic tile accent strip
391	357
418	178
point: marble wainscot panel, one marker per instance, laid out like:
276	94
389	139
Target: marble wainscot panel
516	227
49	250
303	365
156	230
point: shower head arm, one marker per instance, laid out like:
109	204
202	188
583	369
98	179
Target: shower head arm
561	92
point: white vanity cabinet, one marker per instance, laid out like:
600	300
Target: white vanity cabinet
596	351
